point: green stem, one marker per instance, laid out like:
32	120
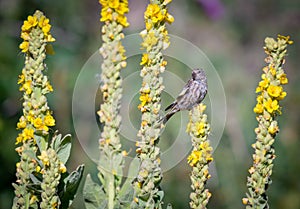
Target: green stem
111	191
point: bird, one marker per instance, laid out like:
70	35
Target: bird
192	94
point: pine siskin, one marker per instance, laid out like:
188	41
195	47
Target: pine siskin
192	94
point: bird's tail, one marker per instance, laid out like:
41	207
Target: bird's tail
165	119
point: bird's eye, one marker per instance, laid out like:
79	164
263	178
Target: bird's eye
194	75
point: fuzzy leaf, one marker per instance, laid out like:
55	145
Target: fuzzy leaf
117	162
41	141
127	198
94	196
126	192
71	183
56	140
64	149
31	154
35	179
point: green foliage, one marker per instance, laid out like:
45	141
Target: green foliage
68	186
68	182
62	146
96	198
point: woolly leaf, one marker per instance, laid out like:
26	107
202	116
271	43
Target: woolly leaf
94	196
70	186
64	149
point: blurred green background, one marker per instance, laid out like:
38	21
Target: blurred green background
231	34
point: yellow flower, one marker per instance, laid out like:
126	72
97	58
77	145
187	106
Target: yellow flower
200	128
273	128
259	99
144	98
44	25
43	21
46	28
49	38
22	123
259	108
282	95
49	120
169	18
167	2
113	4
21	79
29	23
245	201
274	91
154	13
19	139
122	20
152	10
123	8
282	78
149	41
106	14
148	25
205	146
30	116
194	157
262	85
62	168
44	158
124	153
164	63
145	59
33	199
26	87
38	123
38	169
107	141
49	87
27	133
272	70
271	105
24	46
206	149
285	38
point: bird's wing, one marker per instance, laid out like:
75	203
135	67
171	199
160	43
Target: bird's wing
182	93
184	90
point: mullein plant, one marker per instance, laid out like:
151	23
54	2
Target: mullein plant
148	193
111	160
200	157
270	93
42	177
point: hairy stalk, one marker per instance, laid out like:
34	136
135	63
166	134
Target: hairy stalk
155	39
43	153
51	179
36	118
111	156
200	157
270	93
